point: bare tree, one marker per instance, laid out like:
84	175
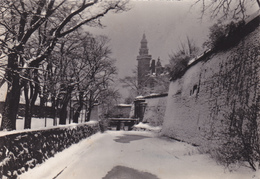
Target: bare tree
20	20
130	82
81	69
107	100
97	74
135	89
102	81
235	8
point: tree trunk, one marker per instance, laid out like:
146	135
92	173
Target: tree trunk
88	115
63	110
89	111
43	107
11	106
30	97
28	116
13	94
63	114
30	102
77	113
53	109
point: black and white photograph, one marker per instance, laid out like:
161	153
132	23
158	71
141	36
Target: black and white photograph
129	89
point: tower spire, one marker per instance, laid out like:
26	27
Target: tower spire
144	49
143	68
144	38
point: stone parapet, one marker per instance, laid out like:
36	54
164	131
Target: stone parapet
24	150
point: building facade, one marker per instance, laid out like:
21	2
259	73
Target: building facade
144	60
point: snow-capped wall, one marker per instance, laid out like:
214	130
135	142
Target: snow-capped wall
155	109
214	89
23	150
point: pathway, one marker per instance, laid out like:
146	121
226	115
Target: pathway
132	155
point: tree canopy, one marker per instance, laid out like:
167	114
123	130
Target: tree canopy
41	23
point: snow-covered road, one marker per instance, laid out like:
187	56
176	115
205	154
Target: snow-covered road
138	155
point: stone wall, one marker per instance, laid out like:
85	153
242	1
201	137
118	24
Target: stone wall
23	150
155	109
215	89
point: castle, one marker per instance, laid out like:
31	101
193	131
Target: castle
151	76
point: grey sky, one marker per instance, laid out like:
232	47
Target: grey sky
166	24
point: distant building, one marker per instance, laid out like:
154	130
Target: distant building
151	75
144	59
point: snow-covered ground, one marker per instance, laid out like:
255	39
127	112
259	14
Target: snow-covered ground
144	151
39	124
147	127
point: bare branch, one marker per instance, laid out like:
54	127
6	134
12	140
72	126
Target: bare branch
226	8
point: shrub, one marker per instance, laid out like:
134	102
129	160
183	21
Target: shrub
180	60
178	64
223	36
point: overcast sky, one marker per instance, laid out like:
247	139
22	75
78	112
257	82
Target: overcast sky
166	24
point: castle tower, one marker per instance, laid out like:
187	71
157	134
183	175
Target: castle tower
143	67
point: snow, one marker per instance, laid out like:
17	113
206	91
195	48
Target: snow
252	16
189	112
125	105
143	126
139	97
38	124
3	90
155	110
95	156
